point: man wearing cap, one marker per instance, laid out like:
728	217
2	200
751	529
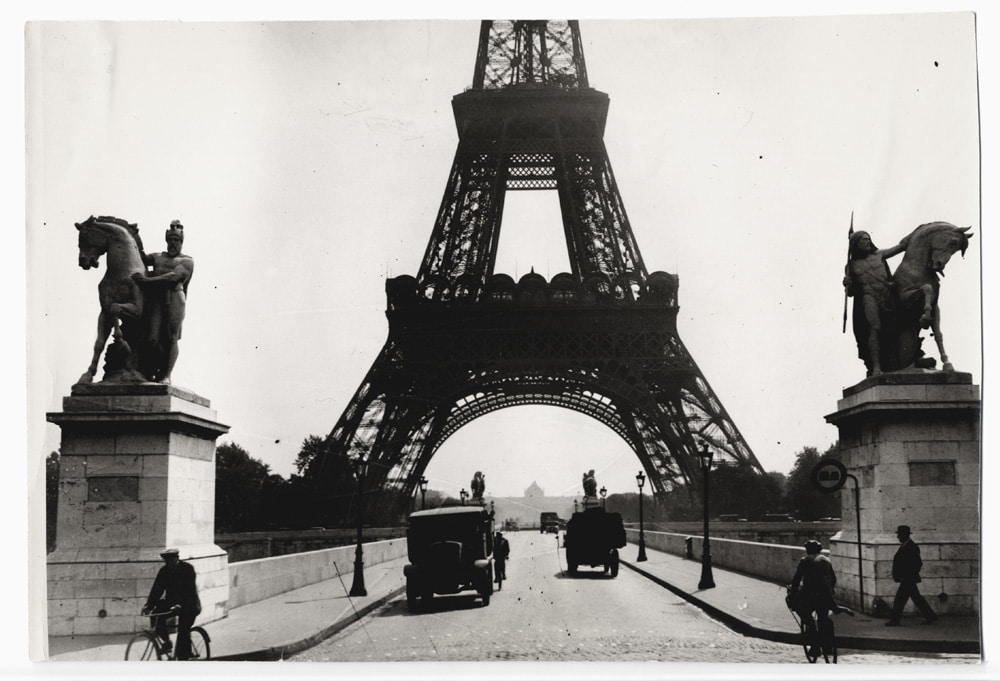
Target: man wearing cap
812	588
174	586
906	566
165	291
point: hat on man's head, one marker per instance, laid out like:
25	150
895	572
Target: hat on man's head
169	552
903	529
813	546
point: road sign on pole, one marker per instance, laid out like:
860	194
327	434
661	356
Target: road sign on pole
829	475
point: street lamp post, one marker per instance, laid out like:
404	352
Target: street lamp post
358	585
464	495
493	510
423	492
575	505
707	582
641	480
604	495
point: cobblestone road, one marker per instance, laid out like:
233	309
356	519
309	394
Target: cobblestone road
544	615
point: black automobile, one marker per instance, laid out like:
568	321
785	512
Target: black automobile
450	550
593	537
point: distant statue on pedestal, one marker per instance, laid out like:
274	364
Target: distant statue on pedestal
589	484
478	486
891	308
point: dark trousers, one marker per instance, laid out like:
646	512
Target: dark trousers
185	620
501	568
907	591
823	623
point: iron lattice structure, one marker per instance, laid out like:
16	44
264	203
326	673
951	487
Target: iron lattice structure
465	341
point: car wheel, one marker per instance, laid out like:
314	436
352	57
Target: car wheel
614	563
486	599
572	568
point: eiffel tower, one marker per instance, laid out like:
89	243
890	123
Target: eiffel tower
465	340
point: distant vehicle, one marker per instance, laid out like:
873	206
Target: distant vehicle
548	522
593	537
779	518
450	550
510	525
731	518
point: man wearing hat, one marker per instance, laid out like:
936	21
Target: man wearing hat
812	589
165	291
174	586
906	566
501	551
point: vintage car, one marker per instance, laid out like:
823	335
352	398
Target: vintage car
548	522
450	549
593	537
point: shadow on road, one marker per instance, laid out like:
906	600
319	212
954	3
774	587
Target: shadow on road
584	574
437	604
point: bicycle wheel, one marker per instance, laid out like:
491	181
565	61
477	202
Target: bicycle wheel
200	649
143	648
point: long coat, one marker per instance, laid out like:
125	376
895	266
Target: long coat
906	563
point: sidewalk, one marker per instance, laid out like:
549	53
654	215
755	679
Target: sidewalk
271	629
277	627
756	608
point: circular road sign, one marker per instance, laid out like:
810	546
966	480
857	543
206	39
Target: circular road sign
829	475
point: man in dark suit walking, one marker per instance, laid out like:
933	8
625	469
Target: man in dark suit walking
906	566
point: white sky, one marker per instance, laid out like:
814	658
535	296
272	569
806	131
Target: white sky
307	161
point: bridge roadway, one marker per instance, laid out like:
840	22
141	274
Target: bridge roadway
544	614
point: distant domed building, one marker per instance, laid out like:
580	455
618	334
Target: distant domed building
534	490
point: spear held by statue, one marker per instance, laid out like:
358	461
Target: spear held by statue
847	269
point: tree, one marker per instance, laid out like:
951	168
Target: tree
326	484
802	498
739	489
239	484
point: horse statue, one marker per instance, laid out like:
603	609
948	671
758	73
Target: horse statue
120	297
478	485
589	484
928	249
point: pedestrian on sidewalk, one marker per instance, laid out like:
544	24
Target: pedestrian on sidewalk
906	566
174	587
501	551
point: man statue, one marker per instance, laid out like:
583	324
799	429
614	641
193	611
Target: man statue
165	292
869	281
589	484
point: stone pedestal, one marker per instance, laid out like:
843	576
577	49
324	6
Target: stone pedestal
137	474
912	440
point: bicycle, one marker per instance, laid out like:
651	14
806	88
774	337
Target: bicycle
148	646
816	641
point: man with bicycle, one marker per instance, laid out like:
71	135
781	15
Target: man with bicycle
175	588
812	591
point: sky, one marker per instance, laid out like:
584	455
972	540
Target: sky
307	162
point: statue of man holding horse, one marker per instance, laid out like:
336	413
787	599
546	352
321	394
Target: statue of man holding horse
891	308
165	294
